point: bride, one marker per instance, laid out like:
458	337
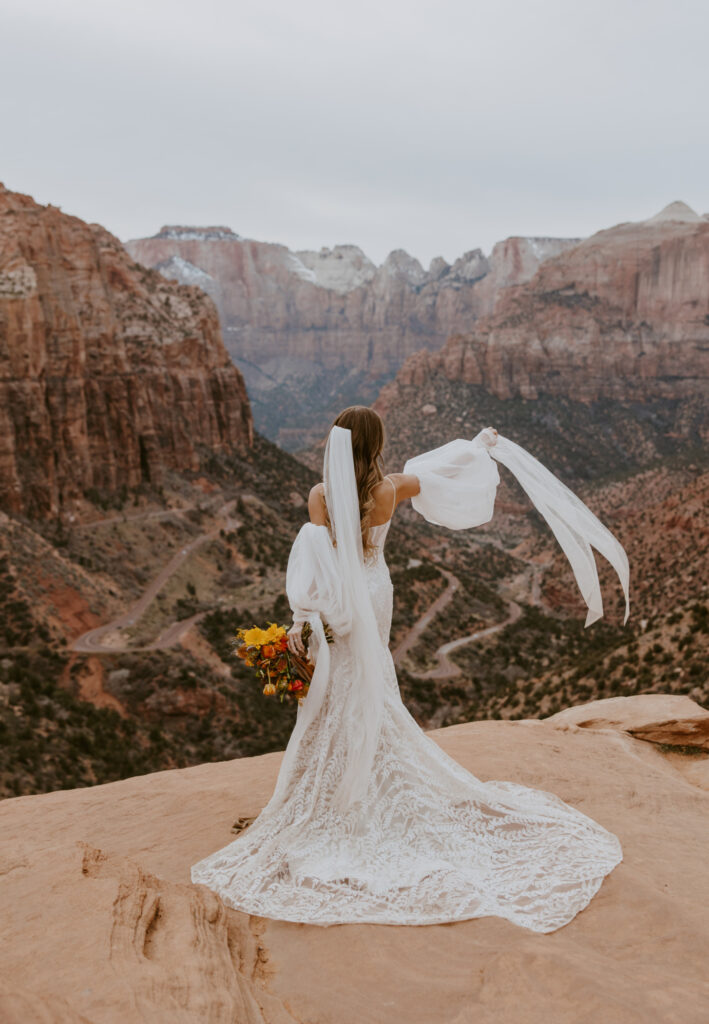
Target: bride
370	821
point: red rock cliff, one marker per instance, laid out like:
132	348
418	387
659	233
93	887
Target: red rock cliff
109	374
624	315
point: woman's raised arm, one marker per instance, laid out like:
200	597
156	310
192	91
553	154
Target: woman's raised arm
407	485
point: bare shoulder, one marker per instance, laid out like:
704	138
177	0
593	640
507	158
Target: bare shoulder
316	504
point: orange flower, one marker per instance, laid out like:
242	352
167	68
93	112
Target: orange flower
268	651
269	689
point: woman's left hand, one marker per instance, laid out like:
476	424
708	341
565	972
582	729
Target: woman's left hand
295	640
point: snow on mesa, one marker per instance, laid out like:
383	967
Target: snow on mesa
178	233
298	267
185	272
341	269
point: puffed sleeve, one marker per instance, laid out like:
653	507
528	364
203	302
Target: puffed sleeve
458	484
314	584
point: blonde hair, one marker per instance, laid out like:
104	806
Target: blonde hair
367	432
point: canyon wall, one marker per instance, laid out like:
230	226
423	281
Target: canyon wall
623	315
109	374
314	330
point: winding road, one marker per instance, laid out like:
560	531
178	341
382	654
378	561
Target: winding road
132	517
107	640
445	668
102	639
414	634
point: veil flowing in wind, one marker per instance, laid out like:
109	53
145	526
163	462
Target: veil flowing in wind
370	820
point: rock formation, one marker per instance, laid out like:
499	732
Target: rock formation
312	328
109	375
101	923
623	315
658	718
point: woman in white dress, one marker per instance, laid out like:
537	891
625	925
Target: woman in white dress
370	820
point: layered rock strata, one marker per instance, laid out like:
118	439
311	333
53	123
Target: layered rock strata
312	328
109	374
623	315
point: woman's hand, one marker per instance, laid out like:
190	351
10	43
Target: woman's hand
489	436
295	639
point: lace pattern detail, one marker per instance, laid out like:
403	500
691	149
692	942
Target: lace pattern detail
429	843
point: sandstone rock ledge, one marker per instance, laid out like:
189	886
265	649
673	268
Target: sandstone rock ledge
101	924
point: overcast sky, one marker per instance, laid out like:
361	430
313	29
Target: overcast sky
436	127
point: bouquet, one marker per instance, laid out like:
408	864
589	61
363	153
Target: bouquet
283	673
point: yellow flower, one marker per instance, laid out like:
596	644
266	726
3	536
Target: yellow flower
254	637
273	632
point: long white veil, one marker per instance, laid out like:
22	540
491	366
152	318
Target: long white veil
325	582
342	502
571	521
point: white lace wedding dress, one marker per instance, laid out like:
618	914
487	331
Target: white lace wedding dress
428	842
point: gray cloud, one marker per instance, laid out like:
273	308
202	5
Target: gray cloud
434	127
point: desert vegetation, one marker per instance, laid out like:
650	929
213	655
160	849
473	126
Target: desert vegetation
71	719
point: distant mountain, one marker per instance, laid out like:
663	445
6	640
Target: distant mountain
600	362
624	314
109	375
313	331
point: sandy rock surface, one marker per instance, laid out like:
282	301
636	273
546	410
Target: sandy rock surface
101	924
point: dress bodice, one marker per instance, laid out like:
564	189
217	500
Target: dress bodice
377	534
379	582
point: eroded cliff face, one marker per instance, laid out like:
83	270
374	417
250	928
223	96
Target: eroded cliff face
310	329
623	315
109	374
